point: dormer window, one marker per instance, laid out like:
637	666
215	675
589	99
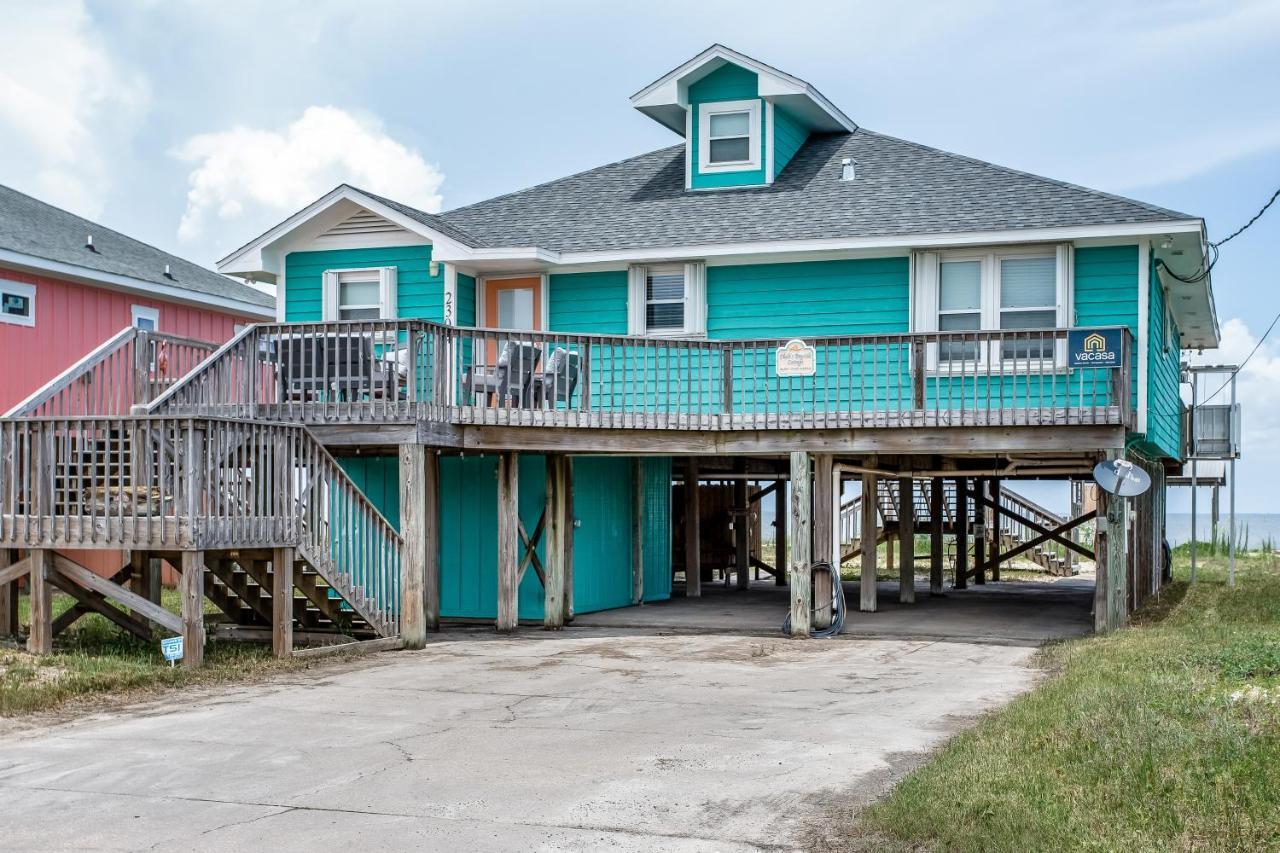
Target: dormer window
729	136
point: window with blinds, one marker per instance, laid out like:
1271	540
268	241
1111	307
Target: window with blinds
664	299
1028	300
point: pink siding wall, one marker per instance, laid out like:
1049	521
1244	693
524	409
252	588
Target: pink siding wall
72	319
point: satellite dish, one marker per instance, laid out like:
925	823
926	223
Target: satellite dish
1120	477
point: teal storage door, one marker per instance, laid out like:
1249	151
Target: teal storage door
602	541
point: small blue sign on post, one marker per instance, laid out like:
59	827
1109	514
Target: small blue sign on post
1094	347
171	648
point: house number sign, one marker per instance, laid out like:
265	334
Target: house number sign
796	358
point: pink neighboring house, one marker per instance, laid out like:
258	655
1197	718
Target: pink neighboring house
68	284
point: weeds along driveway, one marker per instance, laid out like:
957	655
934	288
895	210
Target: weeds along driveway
580	740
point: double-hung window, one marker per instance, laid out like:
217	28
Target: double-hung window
361	294
1010	300
666	300
729	136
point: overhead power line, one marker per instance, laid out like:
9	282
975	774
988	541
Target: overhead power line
1241	365
1211	252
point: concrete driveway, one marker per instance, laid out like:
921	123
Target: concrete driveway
588	739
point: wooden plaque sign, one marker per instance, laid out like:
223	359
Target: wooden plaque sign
796	358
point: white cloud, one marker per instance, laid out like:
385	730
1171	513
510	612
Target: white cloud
246	172
66	104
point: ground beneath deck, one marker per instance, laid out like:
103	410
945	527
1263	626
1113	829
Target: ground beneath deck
585	739
1015	612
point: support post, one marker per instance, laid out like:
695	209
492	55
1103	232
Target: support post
823	536
40	639
508	541
692	531
553	610
282	602
801	521
980	534
431	538
962	534
868	537
780	516
742	529
191	590
413	532
907	536
993	532
8	598
637	530
936	521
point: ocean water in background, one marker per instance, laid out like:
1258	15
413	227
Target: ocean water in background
1256	526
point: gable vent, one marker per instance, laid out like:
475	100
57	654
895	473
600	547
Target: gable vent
363	222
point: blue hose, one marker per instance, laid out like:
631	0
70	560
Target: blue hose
837	603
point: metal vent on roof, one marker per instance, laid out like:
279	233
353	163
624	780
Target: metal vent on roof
363	222
848	169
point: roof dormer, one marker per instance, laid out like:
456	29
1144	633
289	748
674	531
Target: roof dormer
742	120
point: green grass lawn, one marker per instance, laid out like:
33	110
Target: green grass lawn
94	660
1161	736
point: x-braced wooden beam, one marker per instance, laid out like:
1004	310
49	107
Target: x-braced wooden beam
530	544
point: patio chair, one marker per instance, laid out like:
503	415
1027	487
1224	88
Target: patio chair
343	366
559	380
510	379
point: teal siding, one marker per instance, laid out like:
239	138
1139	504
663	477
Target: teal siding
727	83
589	302
818	298
466	314
657	536
788	136
419	295
1164	356
1106	292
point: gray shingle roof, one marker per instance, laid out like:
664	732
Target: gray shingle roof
901	188
32	227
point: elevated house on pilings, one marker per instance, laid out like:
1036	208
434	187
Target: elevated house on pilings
480	414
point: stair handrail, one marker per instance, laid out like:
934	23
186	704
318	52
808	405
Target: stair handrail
165	401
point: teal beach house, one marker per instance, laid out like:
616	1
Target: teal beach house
579	396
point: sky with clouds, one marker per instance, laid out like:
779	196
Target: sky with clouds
196	125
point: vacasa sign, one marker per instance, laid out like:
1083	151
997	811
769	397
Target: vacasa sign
1094	347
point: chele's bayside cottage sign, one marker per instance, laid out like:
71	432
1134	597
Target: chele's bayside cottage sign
796	358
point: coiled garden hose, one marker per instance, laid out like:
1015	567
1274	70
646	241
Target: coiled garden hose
837	603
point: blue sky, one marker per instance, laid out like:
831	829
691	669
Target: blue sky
196	125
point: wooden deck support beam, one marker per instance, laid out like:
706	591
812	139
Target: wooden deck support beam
994	534
936	521
40	638
962	534
980	532
907	536
741	530
868	536
282	568
637	529
191	589
801	543
413	532
823	535
554	611
508	541
781	514
692	532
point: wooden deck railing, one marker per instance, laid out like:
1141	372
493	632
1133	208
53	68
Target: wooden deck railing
131	368
379	371
182	483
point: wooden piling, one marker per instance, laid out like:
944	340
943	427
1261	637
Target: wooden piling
508	541
993	534
823	536
553	609
801	543
907	536
40	639
936	521
692	531
282	567
980	533
741	529
962	534
781	514
191	590
413	532
8	598
867	538
431	540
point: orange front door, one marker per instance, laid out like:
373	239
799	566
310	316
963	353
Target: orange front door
512	303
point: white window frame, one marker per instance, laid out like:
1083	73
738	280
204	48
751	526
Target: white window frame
25	290
754	144
386	277
927	268
695	301
144	312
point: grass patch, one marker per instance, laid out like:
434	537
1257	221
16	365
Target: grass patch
94	660
1162	736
